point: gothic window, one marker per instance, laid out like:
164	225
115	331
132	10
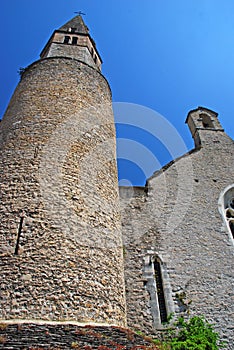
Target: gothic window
226	207
158	286
229	211
66	39
160	291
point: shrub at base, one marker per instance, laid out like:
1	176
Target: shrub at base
195	334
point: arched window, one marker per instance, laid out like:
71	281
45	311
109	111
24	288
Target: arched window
158	286
66	39
206	121
160	290
74	40
226	208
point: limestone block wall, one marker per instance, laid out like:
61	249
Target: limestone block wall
60	236
58	48
179	221
82	54
134	217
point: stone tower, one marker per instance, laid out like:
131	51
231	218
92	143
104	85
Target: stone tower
61	250
60	238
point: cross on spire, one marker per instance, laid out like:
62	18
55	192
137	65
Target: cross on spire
80	13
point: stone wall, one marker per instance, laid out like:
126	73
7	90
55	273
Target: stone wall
66	337
59	198
83	50
81	53
178	221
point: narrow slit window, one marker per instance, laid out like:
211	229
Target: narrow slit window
18	235
157	284
160	291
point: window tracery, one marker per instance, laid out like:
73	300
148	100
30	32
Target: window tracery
229	211
226	207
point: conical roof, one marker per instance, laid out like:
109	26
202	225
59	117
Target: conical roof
76	24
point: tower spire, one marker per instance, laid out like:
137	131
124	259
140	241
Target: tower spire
76	25
73	40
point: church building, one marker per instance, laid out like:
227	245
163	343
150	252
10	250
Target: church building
83	261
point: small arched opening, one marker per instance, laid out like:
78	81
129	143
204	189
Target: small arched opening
66	39
206	121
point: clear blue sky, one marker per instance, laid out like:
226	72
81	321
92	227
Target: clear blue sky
167	55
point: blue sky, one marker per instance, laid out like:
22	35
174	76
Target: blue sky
169	56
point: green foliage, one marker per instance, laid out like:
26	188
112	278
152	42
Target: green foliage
195	334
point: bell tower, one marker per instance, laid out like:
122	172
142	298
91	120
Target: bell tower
73	40
60	234
203	124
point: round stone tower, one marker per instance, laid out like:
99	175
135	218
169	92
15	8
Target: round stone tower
60	239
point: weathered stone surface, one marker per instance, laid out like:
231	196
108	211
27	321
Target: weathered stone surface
176	217
58	175
66	337
61	251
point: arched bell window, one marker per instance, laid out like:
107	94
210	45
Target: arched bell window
66	39
74	40
226	208
206	120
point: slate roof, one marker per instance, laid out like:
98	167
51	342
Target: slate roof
77	24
